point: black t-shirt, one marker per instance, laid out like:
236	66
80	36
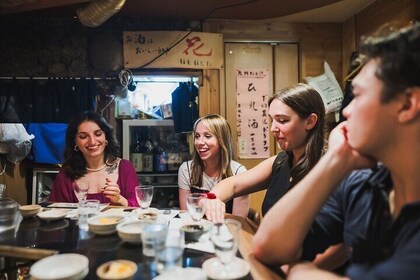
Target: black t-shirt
279	183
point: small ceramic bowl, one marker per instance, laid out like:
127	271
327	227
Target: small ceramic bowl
149	214
130	231
104	224
117	269
28	211
193	232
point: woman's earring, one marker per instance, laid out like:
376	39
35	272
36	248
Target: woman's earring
76	148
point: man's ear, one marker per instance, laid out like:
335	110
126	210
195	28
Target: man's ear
311	121
411	105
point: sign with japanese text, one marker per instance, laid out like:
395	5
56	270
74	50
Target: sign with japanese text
172	49
252	87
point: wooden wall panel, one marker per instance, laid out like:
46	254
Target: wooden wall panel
383	11
209	94
14	178
286	65
349	45
286	70
318	41
246	55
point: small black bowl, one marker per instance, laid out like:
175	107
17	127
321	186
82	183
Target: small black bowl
192	233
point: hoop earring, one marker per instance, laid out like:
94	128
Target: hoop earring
76	148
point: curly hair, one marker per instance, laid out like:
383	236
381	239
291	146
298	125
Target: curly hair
74	161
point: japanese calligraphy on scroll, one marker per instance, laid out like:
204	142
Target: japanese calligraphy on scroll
252	87
172	49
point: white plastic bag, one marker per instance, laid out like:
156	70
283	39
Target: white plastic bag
17	140
329	89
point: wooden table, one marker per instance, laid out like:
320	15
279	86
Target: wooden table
259	271
36	239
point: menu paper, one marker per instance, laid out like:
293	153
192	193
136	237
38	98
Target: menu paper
252	87
329	89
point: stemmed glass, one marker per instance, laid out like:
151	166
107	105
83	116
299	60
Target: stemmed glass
81	191
144	195
195	208
225	238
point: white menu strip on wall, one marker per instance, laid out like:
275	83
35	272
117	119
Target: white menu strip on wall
252	87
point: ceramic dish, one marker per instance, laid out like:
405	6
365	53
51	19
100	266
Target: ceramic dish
117	269
52	215
190	273
193	232
238	268
104	224
28	211
150	214
60	267
130	231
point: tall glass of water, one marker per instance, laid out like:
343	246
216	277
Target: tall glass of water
225	238
144	195
194	206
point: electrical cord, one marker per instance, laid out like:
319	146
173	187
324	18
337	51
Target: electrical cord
192	29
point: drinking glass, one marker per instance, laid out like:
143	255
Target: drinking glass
225	238
153	237
169	257
81	191
195	208
144	195
86	209
8	218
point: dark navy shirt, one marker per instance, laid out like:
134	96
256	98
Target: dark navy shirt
358	214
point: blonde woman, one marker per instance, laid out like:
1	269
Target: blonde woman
212	161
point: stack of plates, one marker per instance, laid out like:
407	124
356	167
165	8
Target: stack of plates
61	267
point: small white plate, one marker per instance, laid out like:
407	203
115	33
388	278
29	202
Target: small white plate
60	267
190	273
236	269
52	215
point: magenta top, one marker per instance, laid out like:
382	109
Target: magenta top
63	191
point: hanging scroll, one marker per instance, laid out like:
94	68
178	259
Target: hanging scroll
172	49
252	113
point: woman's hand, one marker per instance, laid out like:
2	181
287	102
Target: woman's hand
112	191
214	209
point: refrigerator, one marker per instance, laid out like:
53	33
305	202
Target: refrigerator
156	152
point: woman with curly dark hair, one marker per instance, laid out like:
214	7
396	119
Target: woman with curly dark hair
91	163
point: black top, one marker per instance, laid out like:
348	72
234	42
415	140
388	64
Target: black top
358	214
280	181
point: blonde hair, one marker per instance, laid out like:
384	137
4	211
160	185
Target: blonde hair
219	127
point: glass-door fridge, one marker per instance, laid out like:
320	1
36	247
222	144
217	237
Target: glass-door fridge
156	152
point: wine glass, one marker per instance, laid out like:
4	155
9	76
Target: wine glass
81	191
225	238
194	206
144	195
